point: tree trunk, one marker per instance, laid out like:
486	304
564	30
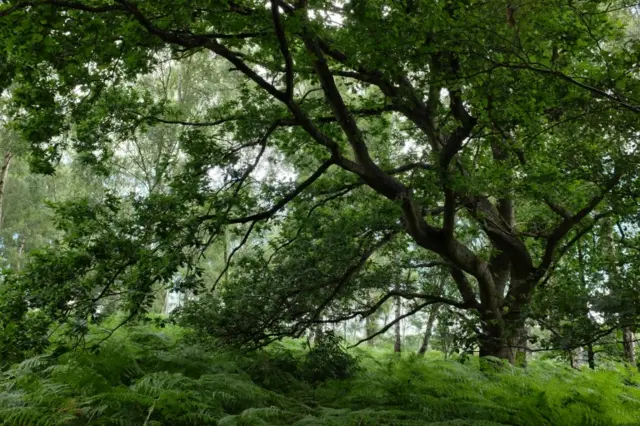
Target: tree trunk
628	337
316	333
578	357
397	345
369	329
520	349
23	241
4	172
433	313
496	346
497	337
614	273
591	358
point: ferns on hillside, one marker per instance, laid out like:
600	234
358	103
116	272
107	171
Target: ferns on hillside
145	378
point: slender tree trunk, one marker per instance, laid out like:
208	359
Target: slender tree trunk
23	241
4	173
433	313
369	329
316	333
225	249
628	337
397	345
614	273
579	354
591	358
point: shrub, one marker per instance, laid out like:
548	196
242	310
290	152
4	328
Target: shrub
328	359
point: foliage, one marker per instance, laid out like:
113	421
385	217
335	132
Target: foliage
295	166
147	376
339	146
327	360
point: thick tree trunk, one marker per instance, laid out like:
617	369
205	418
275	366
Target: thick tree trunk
493	340
433	313
506	339
4	172
397	344
628	338
520	348
496	346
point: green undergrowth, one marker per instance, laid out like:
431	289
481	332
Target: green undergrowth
144	376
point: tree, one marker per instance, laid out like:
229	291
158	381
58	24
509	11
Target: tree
491	146
10	147
426	339
397	341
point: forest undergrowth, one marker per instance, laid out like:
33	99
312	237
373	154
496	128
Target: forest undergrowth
151	376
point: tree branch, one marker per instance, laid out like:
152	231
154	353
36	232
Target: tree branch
342	281
568	223
594	90
283	202
396	320
284	48
556	208
233	252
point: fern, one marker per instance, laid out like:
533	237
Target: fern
145	378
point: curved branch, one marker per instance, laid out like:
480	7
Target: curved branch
233	252
283	202
594	90
344	279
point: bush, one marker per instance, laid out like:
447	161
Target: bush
327	359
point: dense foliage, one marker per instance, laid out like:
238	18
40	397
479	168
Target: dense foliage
334	152
145	377
273	181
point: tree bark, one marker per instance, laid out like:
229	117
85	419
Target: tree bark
591	357
433	313
4	173
520	349
614	273
628	337
495	344
316	334
397	345
23	241
502	338
369	329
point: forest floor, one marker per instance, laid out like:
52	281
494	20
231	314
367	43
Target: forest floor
150	376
